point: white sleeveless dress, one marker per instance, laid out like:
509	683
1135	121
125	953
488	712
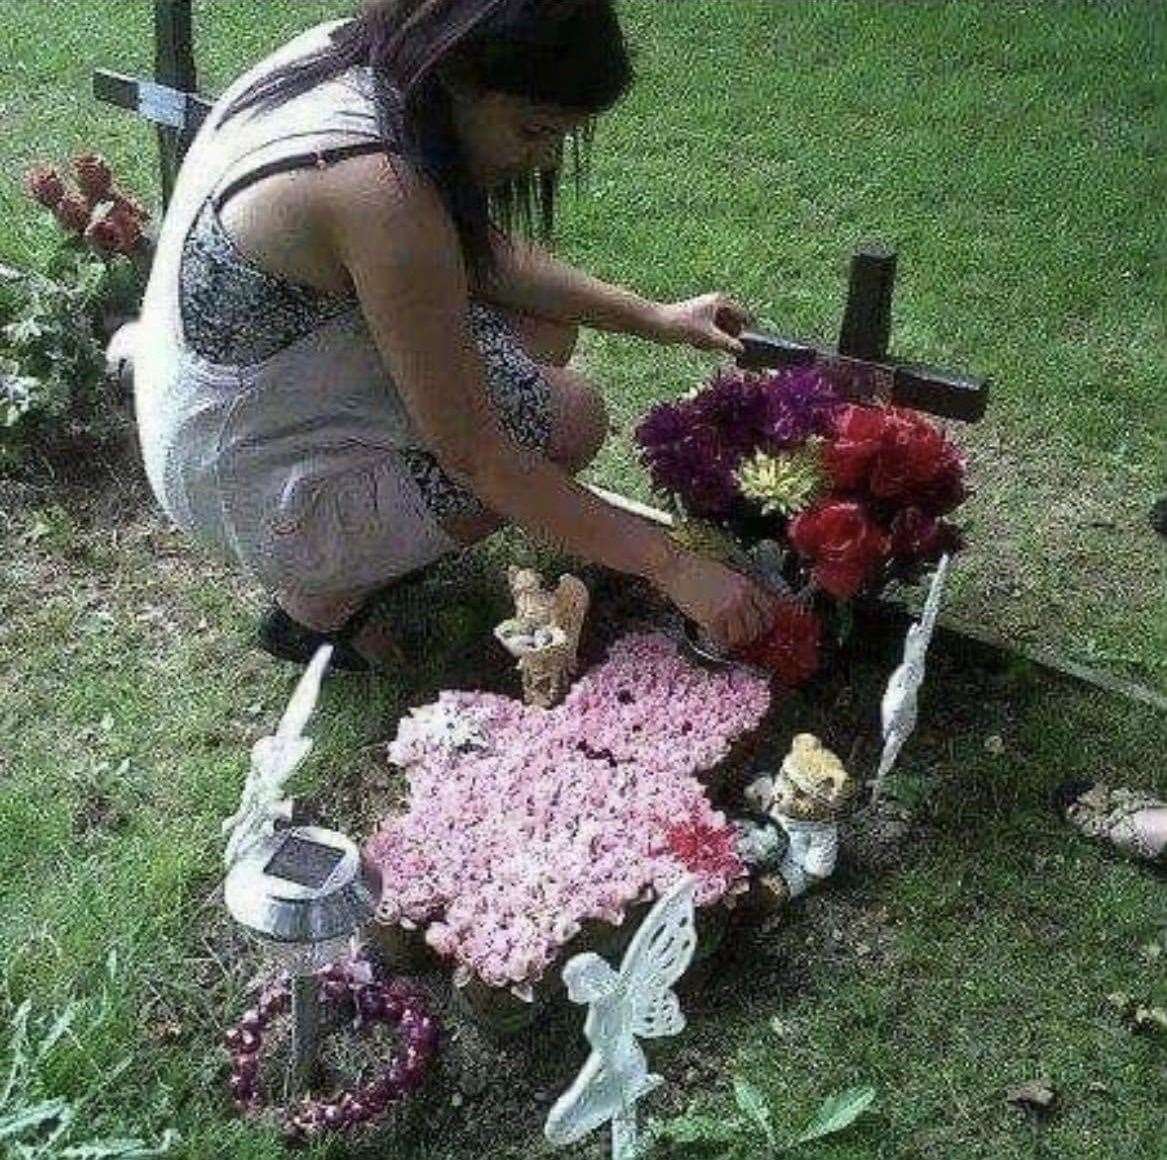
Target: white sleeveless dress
295	464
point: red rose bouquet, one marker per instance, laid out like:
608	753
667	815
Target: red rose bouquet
853	495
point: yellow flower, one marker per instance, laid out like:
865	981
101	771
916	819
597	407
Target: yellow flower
785	483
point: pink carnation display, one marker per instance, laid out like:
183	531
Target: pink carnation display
525	823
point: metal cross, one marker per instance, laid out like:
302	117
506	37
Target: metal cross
171	99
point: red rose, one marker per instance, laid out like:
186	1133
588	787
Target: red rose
945	490
917	538
842	542
45	186
73	214
93	177
131	206
791	649
858	436
104	235
129	229
896	455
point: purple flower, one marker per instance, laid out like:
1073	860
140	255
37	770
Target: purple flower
692	448
800	403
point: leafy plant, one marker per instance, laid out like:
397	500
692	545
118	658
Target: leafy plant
53	382
753	1129
34	1126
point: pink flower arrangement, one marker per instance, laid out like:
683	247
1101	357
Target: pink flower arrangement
565	815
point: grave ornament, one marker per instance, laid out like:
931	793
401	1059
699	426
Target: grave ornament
302	891
899	709
635	1003
543	636
806	800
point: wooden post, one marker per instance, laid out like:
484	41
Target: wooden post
174	67
866	325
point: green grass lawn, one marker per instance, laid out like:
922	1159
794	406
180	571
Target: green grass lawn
1006	150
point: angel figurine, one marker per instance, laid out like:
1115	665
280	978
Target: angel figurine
273	761
544	634
900	706
637	1002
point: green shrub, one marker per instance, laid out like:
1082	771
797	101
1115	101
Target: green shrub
54	390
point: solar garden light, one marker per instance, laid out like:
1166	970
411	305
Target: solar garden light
300	891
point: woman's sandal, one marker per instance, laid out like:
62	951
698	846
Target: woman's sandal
289	640
1112	814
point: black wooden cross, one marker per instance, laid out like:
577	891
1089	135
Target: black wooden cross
171	99
861	364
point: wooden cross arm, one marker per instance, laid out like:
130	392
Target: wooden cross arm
942	393
160	104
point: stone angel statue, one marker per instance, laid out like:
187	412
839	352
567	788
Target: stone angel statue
543	636
899	709
273	761
636	1003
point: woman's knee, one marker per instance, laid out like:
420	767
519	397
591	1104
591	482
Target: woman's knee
579	423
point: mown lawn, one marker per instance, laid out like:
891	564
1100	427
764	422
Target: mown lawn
1007	151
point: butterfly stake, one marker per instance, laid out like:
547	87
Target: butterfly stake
635	1003
899	709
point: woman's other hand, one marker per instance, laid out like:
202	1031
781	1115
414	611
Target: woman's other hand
732	608
711	322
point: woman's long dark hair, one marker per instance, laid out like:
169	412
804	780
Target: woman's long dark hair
567	53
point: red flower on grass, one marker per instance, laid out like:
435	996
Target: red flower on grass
72	213
843	543
94	177
44	185
791	649
705	849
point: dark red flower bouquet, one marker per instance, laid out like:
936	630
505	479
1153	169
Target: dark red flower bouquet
96	213
853	496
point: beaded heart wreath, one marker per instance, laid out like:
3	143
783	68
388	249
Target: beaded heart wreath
348	988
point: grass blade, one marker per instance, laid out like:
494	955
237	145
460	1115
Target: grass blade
119	1149
62	1024
25	1118
753	1103
837	1113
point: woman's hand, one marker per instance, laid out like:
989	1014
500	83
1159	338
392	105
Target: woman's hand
711	322
733	609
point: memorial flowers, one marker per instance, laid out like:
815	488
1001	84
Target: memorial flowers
543	820
96	213
855	495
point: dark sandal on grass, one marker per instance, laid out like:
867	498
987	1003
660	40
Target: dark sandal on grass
289	640
1112	815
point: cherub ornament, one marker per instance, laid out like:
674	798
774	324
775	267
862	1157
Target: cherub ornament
899	709
273	761
637	1002
544	634
806	799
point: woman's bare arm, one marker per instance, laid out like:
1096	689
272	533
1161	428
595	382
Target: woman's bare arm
529	280
402	253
